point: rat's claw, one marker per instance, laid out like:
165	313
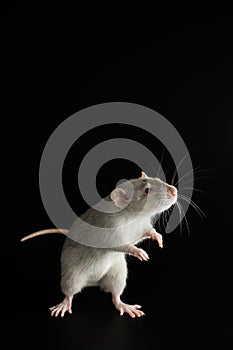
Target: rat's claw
131	310
61	308
141	254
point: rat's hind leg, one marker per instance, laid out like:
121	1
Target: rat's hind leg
71	284
114	281
61	308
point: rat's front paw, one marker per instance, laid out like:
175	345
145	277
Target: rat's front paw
140	254
157	237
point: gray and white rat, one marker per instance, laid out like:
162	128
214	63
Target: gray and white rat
105	266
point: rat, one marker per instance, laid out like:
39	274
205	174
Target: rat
83	266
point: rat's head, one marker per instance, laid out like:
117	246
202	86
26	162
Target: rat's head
147	194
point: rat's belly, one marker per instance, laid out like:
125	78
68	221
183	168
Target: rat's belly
101	267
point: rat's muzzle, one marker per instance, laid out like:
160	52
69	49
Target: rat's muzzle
172	191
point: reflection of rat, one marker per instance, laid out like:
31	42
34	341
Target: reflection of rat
83	266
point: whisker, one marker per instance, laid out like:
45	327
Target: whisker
178	206
195	171
160	164
173	176
168	213
155	171
192	188
186	221
161	224
175	171
193	204
198	178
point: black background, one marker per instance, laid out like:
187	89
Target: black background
59	60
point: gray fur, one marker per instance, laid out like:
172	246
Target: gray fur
101	261
83	266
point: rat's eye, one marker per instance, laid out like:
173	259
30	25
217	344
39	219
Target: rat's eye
147	190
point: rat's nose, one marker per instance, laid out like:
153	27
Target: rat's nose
173	191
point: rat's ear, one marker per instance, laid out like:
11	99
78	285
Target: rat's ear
143	175
120	197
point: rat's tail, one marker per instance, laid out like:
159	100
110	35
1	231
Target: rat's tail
44	232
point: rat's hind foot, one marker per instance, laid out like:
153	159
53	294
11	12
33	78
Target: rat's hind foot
132	310
61	308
